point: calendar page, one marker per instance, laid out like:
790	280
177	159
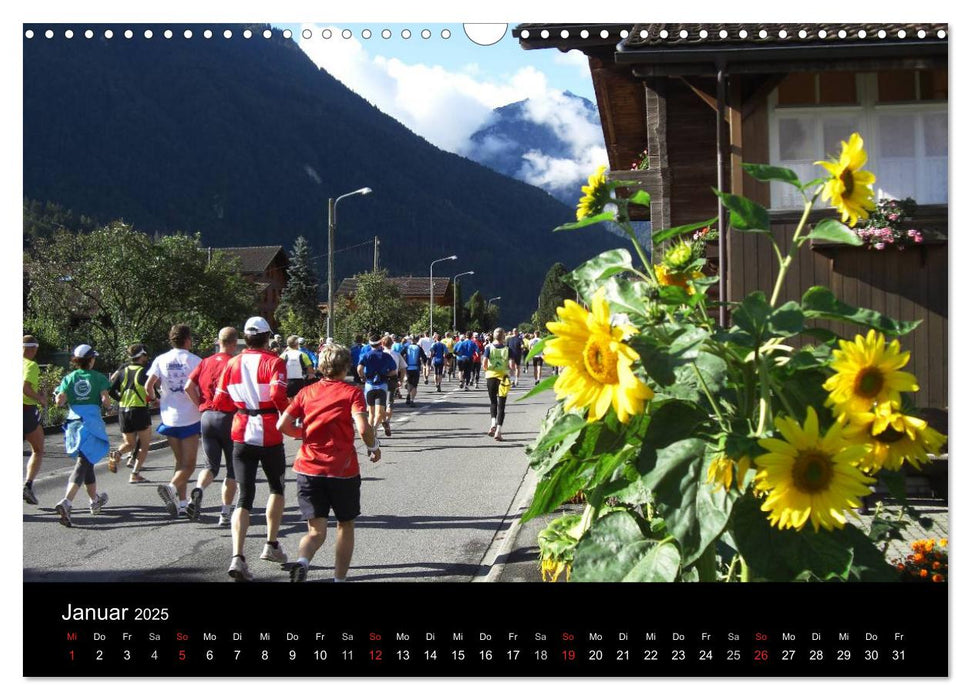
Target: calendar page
530	349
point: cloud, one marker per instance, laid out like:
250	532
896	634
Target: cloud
447	105
573	58
443	106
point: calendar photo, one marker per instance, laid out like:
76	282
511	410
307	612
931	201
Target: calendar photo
569	310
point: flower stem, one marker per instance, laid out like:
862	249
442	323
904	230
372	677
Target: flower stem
707	568
746	574
731	568
624	220
707	392
793	247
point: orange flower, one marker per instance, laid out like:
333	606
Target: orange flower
923	573
937	578
936	565
943	542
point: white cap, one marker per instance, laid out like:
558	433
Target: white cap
84	352
255	325
300	341
329	341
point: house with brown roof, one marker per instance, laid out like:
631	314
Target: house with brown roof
705	98
413	289
265	265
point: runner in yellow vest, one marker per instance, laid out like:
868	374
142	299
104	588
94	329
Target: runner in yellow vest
495	361
33	402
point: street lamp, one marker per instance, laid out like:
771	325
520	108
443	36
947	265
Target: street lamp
431	293
455	297
331	227
492	300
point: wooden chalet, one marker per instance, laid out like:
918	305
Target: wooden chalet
413	289
266	265
699	95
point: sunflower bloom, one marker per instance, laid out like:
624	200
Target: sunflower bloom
808	476
867	373
597	363
893	438
676	279
595	195
850	189
722	470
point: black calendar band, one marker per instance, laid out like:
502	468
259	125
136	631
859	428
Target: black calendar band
497	630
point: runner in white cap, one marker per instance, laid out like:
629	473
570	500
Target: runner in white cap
85	392
256	381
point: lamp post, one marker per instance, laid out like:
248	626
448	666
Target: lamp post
431	292
492	300
331	227
455	298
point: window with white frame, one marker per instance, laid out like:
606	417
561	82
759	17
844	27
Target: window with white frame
901	115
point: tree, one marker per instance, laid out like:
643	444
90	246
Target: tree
476	313
298	312
115	286
554	290
376	306
441	319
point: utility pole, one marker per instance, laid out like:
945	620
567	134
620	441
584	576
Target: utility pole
377	254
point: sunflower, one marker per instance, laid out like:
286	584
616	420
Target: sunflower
808	476
595	195
867	373
676	279
850	189
893	438
597	363
722	469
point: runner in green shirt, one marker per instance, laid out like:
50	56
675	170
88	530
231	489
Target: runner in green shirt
33	430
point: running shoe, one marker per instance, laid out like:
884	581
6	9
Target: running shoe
63	509
194	507
130	463
226	519
136	478
271	553
238	570
29	495
170	498
439	388
98	502
492	431
298	572
113	458
387	428
499	438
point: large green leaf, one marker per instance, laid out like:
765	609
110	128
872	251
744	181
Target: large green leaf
786	321
770	173
746	216
776	555
835	232
640	197
589	221
538	347
555	488
666	233
751	315
595	272
626	296
568	424
544	385
615	548
820	302
672	421
660	359
695	513
687	385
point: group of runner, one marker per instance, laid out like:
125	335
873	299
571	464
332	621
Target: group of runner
241	404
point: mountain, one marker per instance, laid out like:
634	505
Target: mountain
244	140
542	142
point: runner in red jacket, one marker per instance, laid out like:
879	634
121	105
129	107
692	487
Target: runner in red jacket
256	382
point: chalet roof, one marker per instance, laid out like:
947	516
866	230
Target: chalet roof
256	259
749	47
410	287
728	35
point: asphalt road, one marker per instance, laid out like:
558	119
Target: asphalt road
439	506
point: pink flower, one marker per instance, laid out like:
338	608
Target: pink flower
879	245
918	238
893	217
